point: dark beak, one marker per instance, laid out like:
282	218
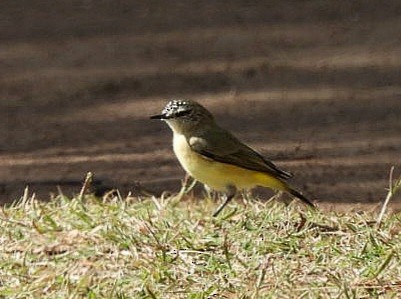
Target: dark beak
160	116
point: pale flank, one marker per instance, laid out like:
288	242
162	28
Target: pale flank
217	175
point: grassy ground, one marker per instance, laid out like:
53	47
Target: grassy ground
171	247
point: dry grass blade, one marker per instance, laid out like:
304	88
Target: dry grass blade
394	186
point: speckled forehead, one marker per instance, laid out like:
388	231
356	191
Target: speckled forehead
175	105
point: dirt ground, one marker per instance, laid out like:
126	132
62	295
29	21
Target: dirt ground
313	85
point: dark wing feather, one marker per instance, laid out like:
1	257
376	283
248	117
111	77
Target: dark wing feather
222	146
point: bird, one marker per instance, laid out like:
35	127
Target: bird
215	157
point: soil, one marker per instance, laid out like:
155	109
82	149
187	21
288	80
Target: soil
313	85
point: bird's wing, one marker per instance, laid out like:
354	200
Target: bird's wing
222	146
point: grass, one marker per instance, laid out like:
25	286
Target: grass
171	247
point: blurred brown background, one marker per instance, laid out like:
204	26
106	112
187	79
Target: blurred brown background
314	85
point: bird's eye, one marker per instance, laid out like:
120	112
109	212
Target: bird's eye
182	113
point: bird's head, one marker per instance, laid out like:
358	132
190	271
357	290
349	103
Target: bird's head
184	116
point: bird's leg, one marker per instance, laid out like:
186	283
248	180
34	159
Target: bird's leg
246	195
209	192
231	190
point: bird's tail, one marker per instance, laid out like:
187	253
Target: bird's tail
301	197
276	183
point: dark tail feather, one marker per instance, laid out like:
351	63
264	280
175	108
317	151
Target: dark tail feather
301	197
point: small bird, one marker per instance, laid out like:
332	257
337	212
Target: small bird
216	158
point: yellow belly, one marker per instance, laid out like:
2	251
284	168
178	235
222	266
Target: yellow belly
217	175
